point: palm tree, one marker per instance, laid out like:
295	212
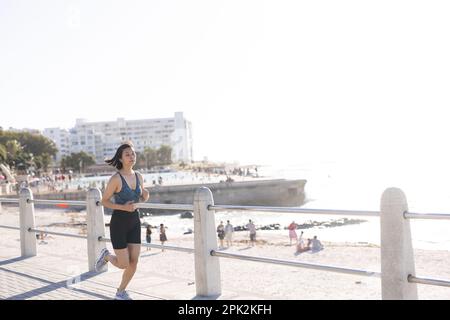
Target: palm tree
3	153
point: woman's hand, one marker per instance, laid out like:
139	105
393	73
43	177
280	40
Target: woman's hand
130	206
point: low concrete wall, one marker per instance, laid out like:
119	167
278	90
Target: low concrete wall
258	193
289	193
78	195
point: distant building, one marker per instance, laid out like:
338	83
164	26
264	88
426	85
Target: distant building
101	139
61	138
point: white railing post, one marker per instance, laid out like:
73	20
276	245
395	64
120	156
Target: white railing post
207	267
397	255
95	227
28	243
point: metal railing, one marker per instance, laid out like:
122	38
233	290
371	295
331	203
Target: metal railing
429	281
297	210
180	207
98	203
291	263
205	239
9	200
434	216
9	227
157	246
63	234
57	202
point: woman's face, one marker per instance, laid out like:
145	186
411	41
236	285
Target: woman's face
128	157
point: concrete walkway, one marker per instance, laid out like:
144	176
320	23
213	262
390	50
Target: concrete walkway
60	277
40	278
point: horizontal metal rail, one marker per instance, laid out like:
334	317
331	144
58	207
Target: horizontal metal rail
70	235
297	210
164	206
10	200
56	202
431	281
184	207
297	264
150	245
189	207
437	216
9	227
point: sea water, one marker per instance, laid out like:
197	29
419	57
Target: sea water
356	186
349	186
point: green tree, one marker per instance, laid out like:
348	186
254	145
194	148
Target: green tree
37	144
27	148
42	161
140	160
146	159
150	157
13	148
63	163
3	153
78	161
164	155
13	152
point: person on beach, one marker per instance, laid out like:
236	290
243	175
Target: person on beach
302	248
316	245
148	236
229	233
126	186
42	236
221	233
252	232
162	235
292	233
300	241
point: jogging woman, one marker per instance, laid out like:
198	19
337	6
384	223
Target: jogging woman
126	186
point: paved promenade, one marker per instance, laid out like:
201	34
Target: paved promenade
41	277
62	276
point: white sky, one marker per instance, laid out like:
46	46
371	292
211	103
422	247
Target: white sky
261	81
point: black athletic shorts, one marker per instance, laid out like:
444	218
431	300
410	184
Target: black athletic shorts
125	228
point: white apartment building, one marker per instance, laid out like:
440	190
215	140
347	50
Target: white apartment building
101	139
61	139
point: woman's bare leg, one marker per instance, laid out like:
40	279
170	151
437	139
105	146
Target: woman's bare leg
134	251
120	260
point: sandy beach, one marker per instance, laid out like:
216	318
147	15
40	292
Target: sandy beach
265	281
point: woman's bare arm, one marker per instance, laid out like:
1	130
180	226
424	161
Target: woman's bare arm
145	195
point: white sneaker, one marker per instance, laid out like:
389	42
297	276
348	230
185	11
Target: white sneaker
101	262
122	295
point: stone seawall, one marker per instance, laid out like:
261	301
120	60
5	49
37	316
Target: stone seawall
252	193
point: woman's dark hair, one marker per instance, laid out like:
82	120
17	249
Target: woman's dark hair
115	161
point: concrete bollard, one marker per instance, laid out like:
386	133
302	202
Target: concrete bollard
28	243
397	255
207	267
95	227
